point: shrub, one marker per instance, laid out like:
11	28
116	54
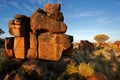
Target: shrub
85	70
71	69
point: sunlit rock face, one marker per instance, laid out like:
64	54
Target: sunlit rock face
40	36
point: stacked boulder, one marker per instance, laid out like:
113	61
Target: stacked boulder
41	36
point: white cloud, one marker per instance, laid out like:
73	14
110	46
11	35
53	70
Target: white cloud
28	7
41	1
83	13
17	5
106	20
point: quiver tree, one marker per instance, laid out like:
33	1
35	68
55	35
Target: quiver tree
101	38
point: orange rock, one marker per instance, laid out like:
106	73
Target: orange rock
32	53
98	76
61	39
51	45
33	40
51	8
20	47
40	21
18	32
49	51
20	16
58	16
116	46
86	45
9	42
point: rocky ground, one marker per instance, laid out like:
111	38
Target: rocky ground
101	64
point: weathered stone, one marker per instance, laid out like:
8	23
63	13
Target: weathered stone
58	66
69	51
15	26
20	16
58	16
18	32
62	40
33	40
40	21
98	76
51	8
52	45
86	45
116	46
9	42
19	77
18	22
48	51
35	68
40	10
11	22
32	53
20	47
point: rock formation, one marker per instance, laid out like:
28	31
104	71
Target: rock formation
40	36
85	45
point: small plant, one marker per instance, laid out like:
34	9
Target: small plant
85	70
71	69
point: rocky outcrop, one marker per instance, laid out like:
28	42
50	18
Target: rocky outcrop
98	76
86	46
39	43
40	36
116	46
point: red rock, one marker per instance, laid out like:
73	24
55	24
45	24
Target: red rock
69	51
86	45
35	68
19	77
98	76
61	39
32	53
33	40
20	47
18	30
49	51
9	42
52	45
40	21
116	46
20	16
13	26
51	8
58	16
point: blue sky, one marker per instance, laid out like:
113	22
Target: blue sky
84	18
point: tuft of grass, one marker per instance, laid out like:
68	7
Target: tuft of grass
71	69
85	70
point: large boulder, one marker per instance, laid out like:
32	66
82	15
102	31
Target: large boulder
98	76
18	28
51	45
40	21
21	46
34	68
116	46
9	43
85	45
52	8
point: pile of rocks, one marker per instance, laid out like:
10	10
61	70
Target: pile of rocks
41	36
